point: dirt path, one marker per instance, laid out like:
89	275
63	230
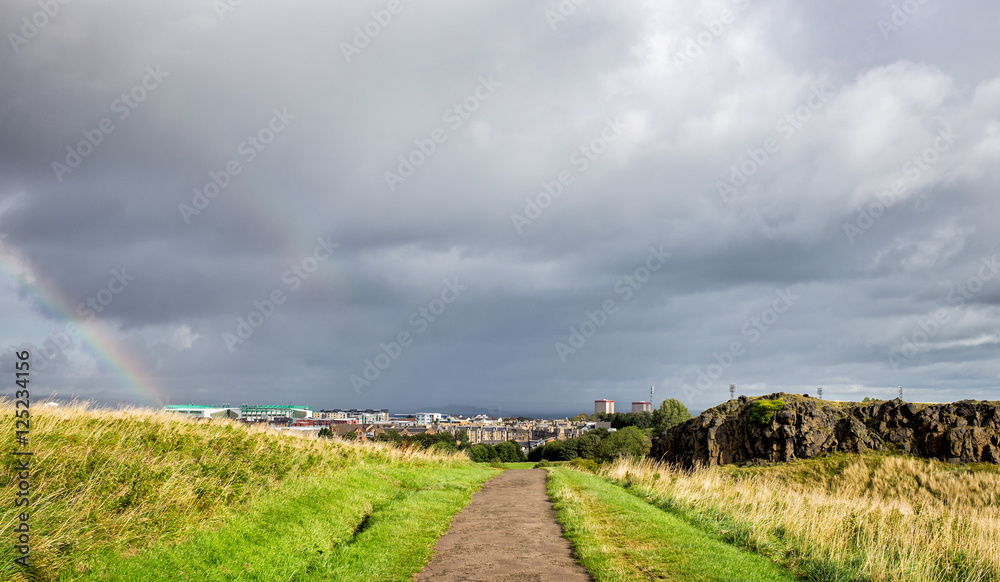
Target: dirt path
508	533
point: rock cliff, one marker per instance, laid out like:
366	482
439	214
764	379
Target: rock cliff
748	429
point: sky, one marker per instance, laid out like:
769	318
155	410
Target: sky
519	206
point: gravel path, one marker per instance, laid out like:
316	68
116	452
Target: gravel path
508	533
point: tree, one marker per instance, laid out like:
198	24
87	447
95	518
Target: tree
642	420
586	445
463	440
627	442
423	440
445	446
482	453
536	454
671	412
600	433
509	452
569	450
549	451
390	436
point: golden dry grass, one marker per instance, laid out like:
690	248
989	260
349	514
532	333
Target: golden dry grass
126	479
883	518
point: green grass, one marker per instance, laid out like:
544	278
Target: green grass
620	537
763	410
506	466
872	517
370	523
143	495
827	470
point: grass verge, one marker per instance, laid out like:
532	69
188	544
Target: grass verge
619	537
879	518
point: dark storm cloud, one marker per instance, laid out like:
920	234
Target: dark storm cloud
841	156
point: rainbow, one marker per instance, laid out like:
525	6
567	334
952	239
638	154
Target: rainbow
113	359
257	196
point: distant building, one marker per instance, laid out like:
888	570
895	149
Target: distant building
428	417
605	406
364	416
642	407
204	410
252	412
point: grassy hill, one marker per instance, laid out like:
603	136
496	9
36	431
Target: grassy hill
138	494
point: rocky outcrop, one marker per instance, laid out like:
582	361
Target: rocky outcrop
958	432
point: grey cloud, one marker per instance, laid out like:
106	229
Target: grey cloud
807	216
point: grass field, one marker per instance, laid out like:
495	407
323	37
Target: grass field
621	538
371	523
881	518
142	495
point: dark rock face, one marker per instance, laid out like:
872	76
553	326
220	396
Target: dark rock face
959	432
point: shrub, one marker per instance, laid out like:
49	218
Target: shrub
542	464
585	464
763	410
